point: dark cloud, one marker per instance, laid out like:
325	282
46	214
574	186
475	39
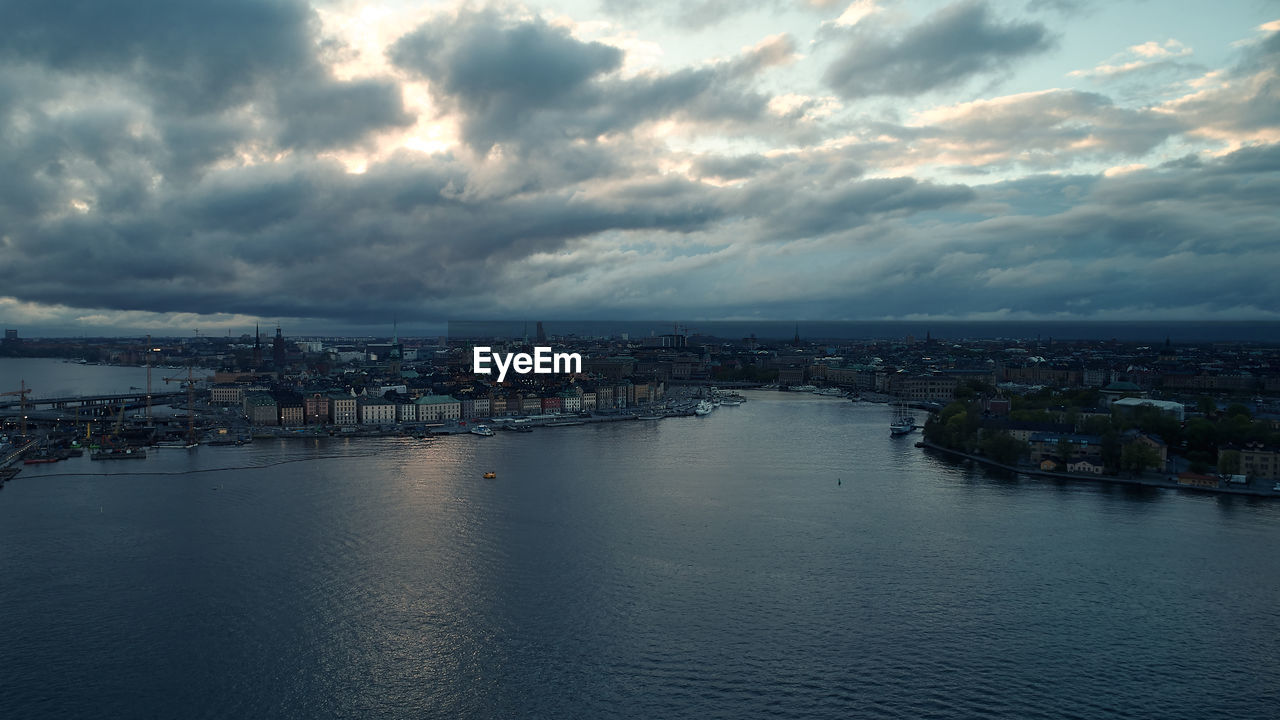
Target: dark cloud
956	43
528	83
195	66
169	158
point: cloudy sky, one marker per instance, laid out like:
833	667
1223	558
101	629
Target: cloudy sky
170	166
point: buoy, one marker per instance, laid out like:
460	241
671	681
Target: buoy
490	475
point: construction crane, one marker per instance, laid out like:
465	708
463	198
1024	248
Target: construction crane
22	404
191	402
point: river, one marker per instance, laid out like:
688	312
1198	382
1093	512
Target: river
784	558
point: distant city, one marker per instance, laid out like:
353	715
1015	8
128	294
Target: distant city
1201	414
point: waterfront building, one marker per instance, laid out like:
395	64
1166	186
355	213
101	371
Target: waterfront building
292	409
530	405
551	405
261	409
571	402
1085	465
376	411
604	397
226	394
1260	461
406	411
481	407
343	409
438	408
316	407
1046	445
588	401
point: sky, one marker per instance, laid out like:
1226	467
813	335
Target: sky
175	167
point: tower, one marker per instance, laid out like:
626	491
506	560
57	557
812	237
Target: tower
277	350
396	355
257	348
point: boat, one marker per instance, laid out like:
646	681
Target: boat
731	401
649	417
703	408
483	430
490	475
902	422
39	460
118	454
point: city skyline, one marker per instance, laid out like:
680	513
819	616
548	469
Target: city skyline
332	164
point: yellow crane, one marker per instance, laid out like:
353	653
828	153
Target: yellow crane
22	404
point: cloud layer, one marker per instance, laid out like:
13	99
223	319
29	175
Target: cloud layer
247	159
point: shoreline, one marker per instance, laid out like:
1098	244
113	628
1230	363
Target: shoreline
1112	479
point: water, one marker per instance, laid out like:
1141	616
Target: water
695	567
55	378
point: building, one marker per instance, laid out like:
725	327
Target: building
1156	444
604	397
923	388
1118	390
316	407
277	350
1129	405
261	409
1259	461
1047	445
571	402
406	411
498	405
343	409
1086	466
226	394
438	408
292	411
376	411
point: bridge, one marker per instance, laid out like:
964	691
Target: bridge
71	401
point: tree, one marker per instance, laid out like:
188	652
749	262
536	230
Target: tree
1206	405
1111	452
1064	450
1138	456
1238	410
1229	462
1002	447
1200	433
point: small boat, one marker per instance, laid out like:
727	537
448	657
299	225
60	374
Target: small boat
649	417
490	475
703	408
482	430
